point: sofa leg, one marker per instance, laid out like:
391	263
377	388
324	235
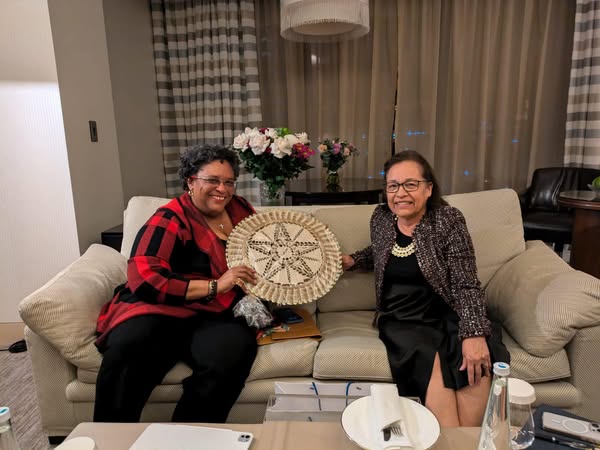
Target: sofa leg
56	440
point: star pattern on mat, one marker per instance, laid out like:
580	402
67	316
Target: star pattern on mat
286	250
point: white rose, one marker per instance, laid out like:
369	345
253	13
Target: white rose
272	133
252	132
280	147
240	142
303	137
291	139
259	143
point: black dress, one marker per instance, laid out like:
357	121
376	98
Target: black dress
415	323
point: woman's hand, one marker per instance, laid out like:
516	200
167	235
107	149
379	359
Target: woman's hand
476	358
347	262
238	275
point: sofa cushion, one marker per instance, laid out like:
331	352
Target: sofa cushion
287	358
535	369
541	301
64	311
494	223
351	348
350	225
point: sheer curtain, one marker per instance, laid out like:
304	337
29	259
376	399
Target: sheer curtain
482	87
478	86
343	89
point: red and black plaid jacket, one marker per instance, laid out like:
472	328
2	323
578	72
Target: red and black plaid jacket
167	253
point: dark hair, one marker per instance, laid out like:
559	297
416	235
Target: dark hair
197	156
435	200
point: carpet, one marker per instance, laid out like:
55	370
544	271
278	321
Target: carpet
17	391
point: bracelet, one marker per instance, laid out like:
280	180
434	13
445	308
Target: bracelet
212	289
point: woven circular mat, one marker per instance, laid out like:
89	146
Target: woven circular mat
297	257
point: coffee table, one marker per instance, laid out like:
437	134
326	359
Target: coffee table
269	435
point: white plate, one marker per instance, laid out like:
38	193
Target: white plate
356	420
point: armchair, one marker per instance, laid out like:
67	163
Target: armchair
543	219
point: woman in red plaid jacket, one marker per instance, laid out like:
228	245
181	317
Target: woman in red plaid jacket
430	305
176	304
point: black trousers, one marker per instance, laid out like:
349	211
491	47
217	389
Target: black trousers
139	352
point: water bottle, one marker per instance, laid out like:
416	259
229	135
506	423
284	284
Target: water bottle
495	429
8	441
522	395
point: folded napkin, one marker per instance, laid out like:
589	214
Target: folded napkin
389	409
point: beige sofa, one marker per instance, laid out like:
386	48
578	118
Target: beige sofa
550	314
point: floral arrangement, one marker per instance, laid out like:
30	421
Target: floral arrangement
273	155
335	152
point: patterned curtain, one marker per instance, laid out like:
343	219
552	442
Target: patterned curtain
582	143
207	77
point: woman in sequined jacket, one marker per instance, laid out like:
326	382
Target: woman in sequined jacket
430	305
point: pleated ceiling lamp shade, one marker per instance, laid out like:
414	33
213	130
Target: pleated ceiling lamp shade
324	20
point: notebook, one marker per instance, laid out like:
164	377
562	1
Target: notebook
161	436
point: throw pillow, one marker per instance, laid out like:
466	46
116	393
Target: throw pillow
64	311
541	301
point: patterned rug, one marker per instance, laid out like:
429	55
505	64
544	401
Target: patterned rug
17	391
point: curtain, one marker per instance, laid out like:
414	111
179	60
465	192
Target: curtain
582	144
344	89
482	87
479	87
207	77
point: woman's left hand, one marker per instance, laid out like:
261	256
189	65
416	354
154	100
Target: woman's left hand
476	358
237	275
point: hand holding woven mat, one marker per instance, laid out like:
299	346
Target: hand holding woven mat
297	257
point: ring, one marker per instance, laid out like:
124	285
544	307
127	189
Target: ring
237	282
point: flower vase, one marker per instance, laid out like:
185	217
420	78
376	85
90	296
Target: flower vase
333	181
270	198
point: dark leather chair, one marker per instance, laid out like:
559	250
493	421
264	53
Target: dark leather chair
543	219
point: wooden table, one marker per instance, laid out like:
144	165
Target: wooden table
270	435
585	246
317	192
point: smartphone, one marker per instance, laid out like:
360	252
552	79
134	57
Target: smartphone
580	429
287	315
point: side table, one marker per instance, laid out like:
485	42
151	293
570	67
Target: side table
585	247
351	191
113	237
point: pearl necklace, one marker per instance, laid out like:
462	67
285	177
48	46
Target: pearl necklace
403	252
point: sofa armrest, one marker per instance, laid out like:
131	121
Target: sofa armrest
51	375
64	311
584	353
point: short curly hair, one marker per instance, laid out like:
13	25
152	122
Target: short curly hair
197	156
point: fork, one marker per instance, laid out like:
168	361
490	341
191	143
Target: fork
392	430
396	430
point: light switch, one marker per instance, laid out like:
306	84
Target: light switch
93	131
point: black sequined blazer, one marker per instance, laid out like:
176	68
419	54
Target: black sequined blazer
446	257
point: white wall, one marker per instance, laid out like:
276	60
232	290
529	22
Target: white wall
131	59
83	71
38	234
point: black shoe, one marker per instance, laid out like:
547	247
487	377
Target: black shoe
18	347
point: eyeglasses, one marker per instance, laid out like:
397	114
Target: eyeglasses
409	186
215	182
